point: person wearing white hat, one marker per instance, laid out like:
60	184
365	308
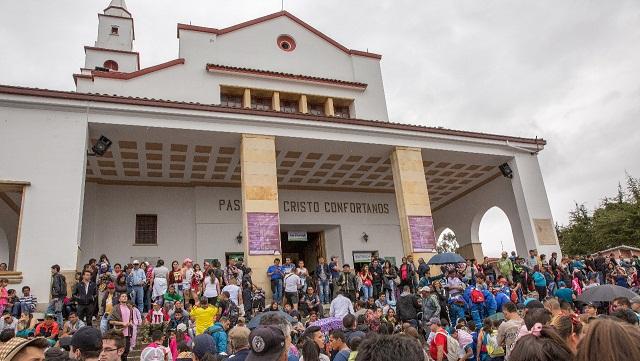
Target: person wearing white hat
137	279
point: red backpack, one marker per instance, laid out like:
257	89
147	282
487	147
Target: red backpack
477	296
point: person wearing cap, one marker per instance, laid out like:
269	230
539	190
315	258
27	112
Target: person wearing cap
86	344
137	279
22	349
438	340
203	345
48	329
267	343
430	305
239	342
178	335
72	325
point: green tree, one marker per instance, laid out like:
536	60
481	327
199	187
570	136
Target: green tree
615	222
448	243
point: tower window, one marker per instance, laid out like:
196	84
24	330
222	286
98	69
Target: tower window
316	109
111	65
114	30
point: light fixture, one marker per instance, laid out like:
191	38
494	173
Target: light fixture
101	147
239	237
506	170
365	237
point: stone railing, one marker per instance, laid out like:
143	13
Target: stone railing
13	277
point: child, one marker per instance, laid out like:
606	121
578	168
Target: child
258	300
4	294
178	337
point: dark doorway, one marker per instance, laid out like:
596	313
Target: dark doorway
307	251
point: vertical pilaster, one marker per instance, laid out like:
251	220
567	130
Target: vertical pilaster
246	98
328	108
302	104
259	195
275	101
412	197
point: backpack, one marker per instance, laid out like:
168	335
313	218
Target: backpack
453	347
477	296
493	349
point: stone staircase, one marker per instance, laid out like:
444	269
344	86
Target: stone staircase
134	355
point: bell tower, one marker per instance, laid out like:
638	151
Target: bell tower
113	50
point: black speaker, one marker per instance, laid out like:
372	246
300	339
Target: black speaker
506	170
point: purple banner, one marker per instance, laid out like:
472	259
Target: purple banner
264	233
423	238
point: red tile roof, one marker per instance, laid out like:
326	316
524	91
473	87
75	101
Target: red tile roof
270	73
115	99
127	76
274	16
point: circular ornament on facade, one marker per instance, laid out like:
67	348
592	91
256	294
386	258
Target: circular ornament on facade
286	43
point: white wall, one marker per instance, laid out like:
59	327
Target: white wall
112	227
48	149
122	41
196	222
127	62
253	47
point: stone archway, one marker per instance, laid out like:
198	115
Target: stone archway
492	228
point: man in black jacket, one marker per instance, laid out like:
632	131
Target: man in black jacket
408	307
85	294
58	293
376	273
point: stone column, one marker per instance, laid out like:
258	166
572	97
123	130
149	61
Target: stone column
259	195
328	108
246	98
302	104
275	101
412	195
532	206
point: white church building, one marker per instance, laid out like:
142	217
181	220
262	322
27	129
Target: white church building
260	140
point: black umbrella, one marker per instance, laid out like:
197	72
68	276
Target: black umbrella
446	258
255	321
605	293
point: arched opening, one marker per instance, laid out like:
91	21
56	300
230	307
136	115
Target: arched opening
447	241
111	65
495	233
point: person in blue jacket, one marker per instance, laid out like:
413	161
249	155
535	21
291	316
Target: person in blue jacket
490	304
501	299
476	309
219	334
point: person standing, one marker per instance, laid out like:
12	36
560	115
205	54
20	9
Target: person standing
334	268
187	278
122	319
58	293
85	296
159	281
292	284
376	274
508	330
366	283
505	266
136	280
323	279
347	282
275	273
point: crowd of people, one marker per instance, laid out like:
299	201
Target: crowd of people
513	308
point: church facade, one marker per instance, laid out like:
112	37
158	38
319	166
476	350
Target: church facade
261	140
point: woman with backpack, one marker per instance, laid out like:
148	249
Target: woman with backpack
488	348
